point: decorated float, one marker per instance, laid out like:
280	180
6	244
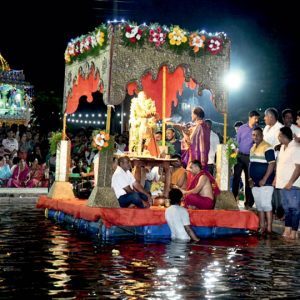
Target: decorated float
15	96
153	63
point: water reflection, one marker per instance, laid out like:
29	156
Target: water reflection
41	260
59	262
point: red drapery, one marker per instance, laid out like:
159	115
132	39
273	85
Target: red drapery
153	88
83	87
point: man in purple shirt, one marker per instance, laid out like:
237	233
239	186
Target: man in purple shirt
245	142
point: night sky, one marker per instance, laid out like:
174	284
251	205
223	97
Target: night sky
265	40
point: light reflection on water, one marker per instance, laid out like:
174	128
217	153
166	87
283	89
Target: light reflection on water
41	260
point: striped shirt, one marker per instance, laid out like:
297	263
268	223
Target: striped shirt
260	157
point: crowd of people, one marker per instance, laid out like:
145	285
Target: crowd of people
270	160
23	155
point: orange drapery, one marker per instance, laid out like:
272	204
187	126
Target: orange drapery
153	88
154	216
83	87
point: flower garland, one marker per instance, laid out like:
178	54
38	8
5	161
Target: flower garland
141	107
101	141
82	46
142	113
231	152
134	35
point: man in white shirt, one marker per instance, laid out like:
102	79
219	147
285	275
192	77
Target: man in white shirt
297	128
288	120
271	131
288	181
10	144
128	191
178	218
214	142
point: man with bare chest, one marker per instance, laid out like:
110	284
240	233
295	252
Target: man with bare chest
201	190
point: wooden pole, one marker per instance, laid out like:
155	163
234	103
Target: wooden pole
164	100
225	127
64	135
108	117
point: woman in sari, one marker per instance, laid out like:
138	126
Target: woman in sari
36	175
24	147
20	175
5	172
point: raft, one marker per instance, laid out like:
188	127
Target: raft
111	223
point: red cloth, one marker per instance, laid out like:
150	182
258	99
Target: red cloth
152	147
83	87
198	201
153	88
154	216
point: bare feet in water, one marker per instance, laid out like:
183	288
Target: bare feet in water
287	232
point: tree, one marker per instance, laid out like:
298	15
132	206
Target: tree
47	111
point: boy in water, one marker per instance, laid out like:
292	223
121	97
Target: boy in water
178	218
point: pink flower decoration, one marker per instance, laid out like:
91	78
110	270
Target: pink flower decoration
157	36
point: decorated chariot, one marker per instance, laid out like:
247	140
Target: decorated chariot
15	96
153	63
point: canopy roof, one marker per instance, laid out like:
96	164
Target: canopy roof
122	57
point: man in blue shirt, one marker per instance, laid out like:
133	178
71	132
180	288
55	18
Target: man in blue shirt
245	142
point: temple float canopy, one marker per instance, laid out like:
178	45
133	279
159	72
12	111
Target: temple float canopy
15	95
123	57
120	58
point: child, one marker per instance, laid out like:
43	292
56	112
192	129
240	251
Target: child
178	218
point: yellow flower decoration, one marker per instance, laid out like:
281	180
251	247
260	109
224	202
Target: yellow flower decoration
100	37
67	57
177	36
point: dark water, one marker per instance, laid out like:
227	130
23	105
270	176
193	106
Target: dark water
40	260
